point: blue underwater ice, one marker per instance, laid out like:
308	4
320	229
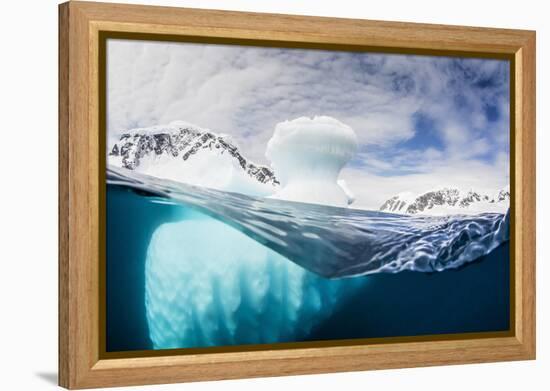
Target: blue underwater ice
208	284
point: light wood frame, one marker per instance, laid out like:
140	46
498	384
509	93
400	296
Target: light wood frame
80	203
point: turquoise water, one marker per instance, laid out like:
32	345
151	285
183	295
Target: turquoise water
189	267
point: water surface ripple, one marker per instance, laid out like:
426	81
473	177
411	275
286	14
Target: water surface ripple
336	242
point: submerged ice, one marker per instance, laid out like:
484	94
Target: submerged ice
208	284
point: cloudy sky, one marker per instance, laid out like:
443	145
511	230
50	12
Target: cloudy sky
423	122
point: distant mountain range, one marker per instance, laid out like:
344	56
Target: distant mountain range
448	200
187	153
204	153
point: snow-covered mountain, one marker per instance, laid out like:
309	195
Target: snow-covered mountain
187	153
448	200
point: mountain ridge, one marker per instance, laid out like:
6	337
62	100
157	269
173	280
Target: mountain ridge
181	140
448	200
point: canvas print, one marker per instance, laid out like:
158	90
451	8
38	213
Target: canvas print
262	196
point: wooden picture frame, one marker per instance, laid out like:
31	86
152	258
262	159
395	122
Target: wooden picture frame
81	172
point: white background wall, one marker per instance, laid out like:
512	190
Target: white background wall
28	207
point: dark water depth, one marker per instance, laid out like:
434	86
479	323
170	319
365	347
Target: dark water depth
410	276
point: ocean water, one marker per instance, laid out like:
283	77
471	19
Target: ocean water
192	267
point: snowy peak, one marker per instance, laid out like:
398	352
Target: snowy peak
503	195
398	203
448	201
187	148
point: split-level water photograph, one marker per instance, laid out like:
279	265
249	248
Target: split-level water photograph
263	197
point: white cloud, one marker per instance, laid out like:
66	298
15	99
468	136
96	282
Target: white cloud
246	91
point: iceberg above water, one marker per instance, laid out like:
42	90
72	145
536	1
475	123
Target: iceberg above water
307	155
